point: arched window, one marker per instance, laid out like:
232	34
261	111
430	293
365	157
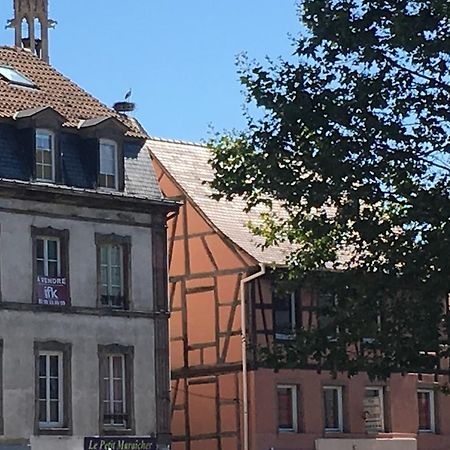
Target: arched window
25	32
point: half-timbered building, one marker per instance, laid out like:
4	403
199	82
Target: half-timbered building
224	305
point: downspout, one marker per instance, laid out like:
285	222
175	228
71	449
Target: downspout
244	281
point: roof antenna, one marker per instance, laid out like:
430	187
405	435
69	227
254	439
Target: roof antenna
125	106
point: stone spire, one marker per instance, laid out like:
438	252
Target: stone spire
31	24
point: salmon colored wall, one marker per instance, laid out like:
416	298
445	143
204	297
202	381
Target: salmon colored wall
400	400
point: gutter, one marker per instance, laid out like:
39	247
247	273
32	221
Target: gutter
244	281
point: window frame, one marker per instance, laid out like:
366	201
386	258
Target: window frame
63	237
380	390
124	242
116	164
45	260
127	352
48	423
64	426
291	333
52	151
432	396
294	405
340	409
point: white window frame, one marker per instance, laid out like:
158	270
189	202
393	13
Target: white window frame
51	150
293	310
109	267
380	391
109	379
340	411
46	240
431	395
294	403
48	423
116	163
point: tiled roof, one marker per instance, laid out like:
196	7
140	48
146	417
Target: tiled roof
52	89
188	164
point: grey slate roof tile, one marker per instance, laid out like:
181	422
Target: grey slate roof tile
188	164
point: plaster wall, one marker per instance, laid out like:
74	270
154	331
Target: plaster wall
22	324
19	331
16	265
400	407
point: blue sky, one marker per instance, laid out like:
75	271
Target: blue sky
178	56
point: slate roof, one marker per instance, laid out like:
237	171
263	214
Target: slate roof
188	164
55	91
52	89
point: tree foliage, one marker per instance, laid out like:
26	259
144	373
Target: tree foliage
350	140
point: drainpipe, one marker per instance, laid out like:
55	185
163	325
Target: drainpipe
244	351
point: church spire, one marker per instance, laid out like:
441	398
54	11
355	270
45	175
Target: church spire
31	24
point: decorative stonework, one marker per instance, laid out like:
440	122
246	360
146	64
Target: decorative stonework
30	17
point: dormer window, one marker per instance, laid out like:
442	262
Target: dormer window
45	155
108	169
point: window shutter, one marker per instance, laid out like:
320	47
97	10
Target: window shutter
91	160
298	308
27	147
121	166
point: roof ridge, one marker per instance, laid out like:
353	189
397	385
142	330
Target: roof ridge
178	141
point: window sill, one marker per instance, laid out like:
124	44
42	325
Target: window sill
284	337
116	431
54	431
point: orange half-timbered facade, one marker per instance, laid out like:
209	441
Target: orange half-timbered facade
223	306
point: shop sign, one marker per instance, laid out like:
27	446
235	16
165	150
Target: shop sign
52	291
120	443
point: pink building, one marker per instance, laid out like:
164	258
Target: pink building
222	396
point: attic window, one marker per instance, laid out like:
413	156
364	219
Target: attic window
15	77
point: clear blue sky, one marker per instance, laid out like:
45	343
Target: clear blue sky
178	56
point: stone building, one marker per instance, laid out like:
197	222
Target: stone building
83	313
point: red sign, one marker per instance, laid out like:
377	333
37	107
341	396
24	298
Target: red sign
52	291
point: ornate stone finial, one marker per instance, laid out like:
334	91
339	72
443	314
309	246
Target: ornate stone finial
31	24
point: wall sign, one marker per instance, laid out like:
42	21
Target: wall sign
120	443
52	291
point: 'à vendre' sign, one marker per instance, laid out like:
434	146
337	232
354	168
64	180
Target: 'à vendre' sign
52	291
120	443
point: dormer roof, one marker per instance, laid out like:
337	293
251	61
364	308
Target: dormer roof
52	89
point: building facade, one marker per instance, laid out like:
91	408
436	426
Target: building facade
83	307
224	306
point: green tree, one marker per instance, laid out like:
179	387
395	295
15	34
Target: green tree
349	148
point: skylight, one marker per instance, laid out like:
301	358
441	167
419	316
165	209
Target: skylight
15	77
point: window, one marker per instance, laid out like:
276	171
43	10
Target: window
326	318
116	389
108	173
50	389
332	401
15	77
113	268
425	400
53	410
287	408
51	268
374	409
45	156
48	257
284	315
